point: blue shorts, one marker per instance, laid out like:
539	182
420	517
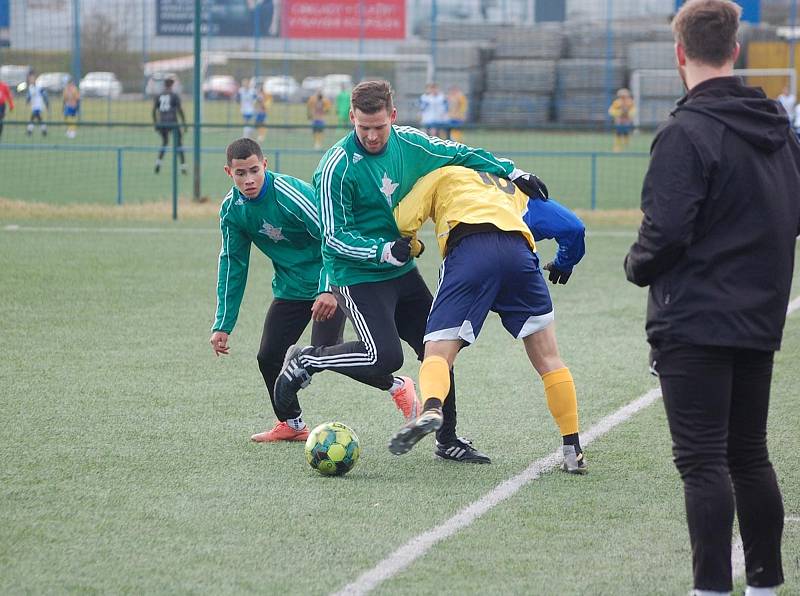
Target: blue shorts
36	114
318	125
261	118
70	112
490	271
623	129
456	123
247	118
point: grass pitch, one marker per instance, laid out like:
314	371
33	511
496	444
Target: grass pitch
125	465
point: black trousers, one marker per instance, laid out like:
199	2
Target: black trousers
716	401
383	313
166	132
284	324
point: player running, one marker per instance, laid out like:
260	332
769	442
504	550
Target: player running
277	213
358	183
166	111
490	264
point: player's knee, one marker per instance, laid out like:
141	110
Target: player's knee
270	358
389	360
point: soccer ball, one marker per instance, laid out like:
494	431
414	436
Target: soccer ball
332	449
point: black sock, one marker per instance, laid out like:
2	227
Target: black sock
431	403
573	440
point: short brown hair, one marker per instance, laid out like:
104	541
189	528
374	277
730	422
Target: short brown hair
242	149
372	96
707	30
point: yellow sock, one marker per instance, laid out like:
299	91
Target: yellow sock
559	388
434	378
456	136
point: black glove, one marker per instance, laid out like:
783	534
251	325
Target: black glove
557	276
530	184
397	252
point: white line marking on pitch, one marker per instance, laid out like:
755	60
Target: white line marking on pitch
793	306
17	228
737	549
419	545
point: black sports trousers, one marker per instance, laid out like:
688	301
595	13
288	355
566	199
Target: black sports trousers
716	401
382	313
284	324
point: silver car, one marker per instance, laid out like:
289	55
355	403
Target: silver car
100	84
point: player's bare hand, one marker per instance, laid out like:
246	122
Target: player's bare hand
324	307
219	342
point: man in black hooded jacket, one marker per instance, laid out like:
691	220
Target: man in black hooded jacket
721	203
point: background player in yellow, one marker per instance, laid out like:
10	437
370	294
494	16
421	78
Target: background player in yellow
71	98
457	106
318	106
489	263
622	110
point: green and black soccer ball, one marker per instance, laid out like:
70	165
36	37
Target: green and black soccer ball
332	449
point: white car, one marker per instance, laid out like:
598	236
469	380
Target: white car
100	84
310	86
334	84
282	88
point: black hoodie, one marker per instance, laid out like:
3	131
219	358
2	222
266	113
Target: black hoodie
721	203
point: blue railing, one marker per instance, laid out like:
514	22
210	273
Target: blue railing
275	158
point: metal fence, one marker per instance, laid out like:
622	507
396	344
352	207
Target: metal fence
538	77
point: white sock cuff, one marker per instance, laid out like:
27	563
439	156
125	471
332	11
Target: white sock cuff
296	423
753	591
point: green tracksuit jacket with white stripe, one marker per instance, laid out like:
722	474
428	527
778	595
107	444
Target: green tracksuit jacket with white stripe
356	192
283	223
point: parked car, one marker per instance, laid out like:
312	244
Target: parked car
220	87
334	84
310	86
53	82
282	88
155	83
15	76
100	84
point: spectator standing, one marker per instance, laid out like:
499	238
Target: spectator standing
716	246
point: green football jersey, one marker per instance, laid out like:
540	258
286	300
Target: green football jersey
283	224
356	192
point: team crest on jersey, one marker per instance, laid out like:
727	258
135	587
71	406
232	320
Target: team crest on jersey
357	157
271	231
388	187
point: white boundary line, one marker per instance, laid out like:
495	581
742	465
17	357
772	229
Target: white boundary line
415	548
69	229
419	545
427	233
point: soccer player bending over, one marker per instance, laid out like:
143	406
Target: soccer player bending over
490	264
276	213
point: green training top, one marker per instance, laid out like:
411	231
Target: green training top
282	223
356	192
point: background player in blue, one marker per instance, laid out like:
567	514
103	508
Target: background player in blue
166	111
490	265
39	102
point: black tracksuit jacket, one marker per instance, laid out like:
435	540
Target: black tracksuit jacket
721	203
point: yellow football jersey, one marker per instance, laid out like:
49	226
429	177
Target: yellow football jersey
453	195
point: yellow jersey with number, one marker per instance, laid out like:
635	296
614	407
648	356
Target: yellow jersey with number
453	195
